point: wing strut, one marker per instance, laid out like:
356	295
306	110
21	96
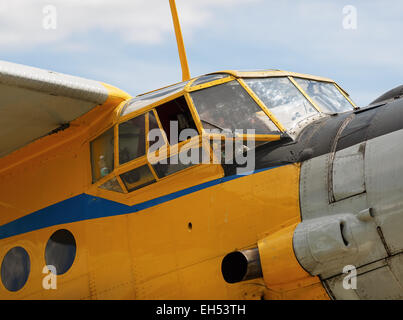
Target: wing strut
179	40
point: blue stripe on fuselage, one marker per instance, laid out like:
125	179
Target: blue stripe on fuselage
86	207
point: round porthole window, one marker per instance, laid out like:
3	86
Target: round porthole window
60	251
15	269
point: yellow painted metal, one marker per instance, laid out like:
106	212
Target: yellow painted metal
143	160
147	132
150	106
272	73
118	110
251	74
131	165
189	84
147	129
182	146
152	253
194	113
116	146
167	185
262	105
170	150
179	40
281	270
248	74
209	84
122	185
295	83
160	125
115	95
256	137
120	257
238	75
261	137
153	171
155	90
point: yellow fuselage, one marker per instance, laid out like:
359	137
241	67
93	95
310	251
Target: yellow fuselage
166	242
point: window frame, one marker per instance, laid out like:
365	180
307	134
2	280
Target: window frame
109	175
177	148
194	170
172	150
255	98
324	81
202	137
299	88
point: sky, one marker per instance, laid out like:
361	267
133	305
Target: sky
131	44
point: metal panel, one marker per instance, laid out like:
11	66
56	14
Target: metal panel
379	280
324	246
313	187
337	291
314	193
396	266
318	241
335	286
348	172
384	183
35	79
379	284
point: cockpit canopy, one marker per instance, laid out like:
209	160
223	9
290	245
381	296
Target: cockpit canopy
262	106
268	101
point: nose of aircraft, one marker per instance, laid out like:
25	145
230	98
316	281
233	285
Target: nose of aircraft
352	208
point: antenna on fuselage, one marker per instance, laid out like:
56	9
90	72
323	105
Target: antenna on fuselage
179	40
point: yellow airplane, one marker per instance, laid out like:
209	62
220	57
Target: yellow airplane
255	185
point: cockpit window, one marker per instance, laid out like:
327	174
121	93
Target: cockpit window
229	106
325	95
176	114
102	155
283	99
209	78
154	129
149	98
138	178
132	141
112	185
172	165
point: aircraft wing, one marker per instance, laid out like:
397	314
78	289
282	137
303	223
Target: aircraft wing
34	102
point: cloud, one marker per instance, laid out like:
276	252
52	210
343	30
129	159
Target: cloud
130	43
315	28
139	21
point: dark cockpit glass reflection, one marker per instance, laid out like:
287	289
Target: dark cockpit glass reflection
132	139
229	106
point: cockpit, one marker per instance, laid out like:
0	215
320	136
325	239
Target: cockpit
260	105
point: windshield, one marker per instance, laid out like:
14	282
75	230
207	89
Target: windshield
229	106
325	95
283	99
